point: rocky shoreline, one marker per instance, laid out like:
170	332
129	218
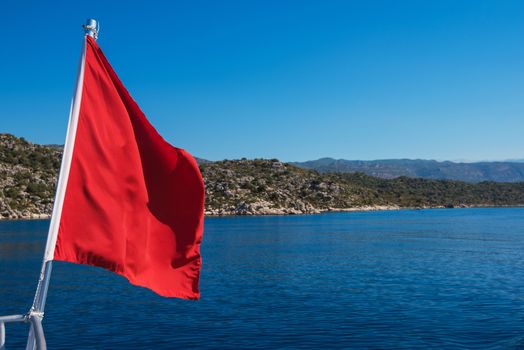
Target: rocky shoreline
287	211
261	209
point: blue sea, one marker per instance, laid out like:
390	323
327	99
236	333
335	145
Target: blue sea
413	279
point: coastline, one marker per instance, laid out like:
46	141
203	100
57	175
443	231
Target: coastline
291	211
287	212
257	187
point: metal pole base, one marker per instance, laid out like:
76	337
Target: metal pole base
36	333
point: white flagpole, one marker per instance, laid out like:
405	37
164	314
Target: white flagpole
36	313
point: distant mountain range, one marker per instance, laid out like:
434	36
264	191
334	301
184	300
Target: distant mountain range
508	171
511	170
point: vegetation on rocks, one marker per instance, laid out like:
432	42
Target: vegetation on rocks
28	174
271	187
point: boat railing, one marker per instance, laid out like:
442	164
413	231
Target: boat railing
34	318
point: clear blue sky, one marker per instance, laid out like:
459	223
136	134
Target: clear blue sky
293	80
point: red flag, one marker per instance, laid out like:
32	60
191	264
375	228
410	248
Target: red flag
133	204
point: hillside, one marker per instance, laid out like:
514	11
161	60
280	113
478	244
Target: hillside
428	169
28	174
247	187
269	186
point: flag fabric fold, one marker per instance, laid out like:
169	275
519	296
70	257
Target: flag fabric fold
133	204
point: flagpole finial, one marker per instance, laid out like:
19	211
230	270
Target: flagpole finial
91	28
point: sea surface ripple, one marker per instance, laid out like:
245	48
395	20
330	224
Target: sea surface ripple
427	279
